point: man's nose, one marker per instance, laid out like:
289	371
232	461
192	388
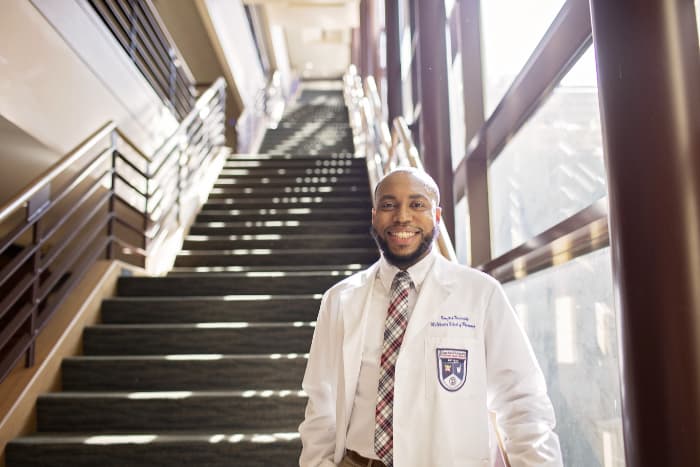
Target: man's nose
403	214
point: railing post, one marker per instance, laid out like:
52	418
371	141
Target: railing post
178	200
36	272
112	196
145	211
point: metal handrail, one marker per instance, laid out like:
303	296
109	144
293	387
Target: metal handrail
385	150
104	198
43	180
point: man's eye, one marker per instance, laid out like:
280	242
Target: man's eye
419	205
388	205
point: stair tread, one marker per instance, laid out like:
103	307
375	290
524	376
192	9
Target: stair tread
277	251
186	357
176	395
204	436
205	325
215	298
330	236
332	271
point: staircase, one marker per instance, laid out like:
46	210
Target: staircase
204	366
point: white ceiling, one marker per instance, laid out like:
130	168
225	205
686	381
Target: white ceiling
318	33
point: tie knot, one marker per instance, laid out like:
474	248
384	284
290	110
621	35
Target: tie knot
402	280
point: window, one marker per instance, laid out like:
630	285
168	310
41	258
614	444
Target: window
511	30
568	313
553	167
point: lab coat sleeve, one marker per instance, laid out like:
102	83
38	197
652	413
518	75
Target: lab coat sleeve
318	430
516	390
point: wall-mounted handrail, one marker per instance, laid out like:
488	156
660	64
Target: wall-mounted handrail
43	180
104	198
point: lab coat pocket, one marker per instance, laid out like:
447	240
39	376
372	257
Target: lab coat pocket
448	365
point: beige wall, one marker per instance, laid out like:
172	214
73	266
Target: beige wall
61	78
29	157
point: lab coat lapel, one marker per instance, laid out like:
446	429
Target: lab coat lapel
436	289
354	302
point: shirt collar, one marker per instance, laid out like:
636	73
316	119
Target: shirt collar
417	272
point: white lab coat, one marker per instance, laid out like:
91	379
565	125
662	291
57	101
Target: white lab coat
458	308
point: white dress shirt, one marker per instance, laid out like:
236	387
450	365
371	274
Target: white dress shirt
360	436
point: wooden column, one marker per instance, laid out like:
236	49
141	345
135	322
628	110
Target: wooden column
393	59
367	34
476	168
434	101
649	80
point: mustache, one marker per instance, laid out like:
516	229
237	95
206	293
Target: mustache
406	260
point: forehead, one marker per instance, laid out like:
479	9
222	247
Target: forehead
403	184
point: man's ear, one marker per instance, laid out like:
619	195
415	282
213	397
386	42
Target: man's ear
438	214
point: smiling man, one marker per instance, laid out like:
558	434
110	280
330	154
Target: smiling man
410	355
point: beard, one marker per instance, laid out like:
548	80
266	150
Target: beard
404	261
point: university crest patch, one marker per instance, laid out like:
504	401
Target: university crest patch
452	368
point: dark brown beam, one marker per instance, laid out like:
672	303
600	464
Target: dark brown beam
434	100
367	35
476	174
649	85
581	233
473	175
393	59
470	46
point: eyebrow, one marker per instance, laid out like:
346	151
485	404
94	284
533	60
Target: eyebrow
414	196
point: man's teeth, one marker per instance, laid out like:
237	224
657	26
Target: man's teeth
403	235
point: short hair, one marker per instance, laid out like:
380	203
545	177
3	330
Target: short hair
423	176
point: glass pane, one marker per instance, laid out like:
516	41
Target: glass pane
510	31
568	313
462	241
456	103
553	167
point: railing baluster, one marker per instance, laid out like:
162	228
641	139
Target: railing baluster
113	191
36	275
146	216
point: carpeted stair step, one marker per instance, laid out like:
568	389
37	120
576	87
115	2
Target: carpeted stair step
282	214
257	172
221	448
289	202
143	412
237	308
243	162
294	157
327	191
183	372
301	227
273	241
228	284
197	338
283	182
268	257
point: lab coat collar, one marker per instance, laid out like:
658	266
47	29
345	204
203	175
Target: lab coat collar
418	271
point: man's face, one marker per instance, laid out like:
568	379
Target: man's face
404	219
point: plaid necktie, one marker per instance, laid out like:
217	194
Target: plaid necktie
394	329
